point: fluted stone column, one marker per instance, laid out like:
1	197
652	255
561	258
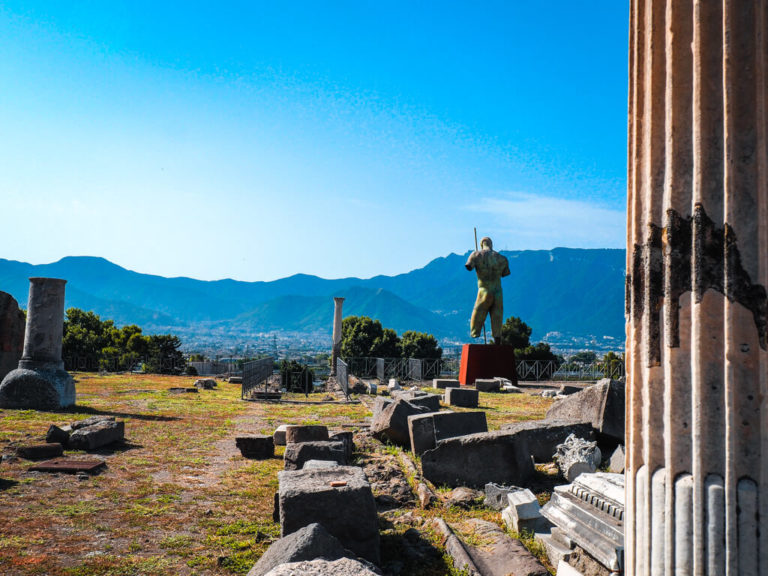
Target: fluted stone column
40	381
697	268
338	302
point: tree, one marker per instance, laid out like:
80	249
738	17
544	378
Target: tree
515	332
540	351
363	337
419	345
165	356
584	357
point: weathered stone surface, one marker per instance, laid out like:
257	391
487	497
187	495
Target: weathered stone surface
462	497
577	456
617	461
60	435
206	383
488	384
419	398
394	385
307	543
602	405
40	451
98	435
341	567
445	383
38	389
298	453
544	436
464	397
295	433
338	498
346	438
11	334
379	405
392	422
501	555
278	436
258	447
523	512
317	464
496	496
90	421
475	460
426	430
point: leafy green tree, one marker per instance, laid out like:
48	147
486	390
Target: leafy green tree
611	364
165	356
515	332
585	357
540	351
419	345
361	336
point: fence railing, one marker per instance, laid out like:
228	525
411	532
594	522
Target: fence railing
125	363
342	376
255	373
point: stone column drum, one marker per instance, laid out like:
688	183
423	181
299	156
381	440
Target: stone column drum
40	381
338	302
697	268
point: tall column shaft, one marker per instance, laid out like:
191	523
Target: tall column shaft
45	323
338	302
697	268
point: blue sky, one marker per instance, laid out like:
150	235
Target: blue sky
255	140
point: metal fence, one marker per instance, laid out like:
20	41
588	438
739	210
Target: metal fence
255	373
342	376
537	370
125	363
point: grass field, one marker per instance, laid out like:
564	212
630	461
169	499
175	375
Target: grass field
178	498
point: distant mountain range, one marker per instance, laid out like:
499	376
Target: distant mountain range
574	291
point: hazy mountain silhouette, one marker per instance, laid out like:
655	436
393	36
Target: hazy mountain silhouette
567	290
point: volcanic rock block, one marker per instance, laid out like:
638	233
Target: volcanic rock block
380	404
338	498
90	421
419	398
306	434
544	436
500	554
464	397
347	438
319	567
426	430
60	435
98	435
310	542
392	422
11	334
298	453
475	460
206	383
602	405
258	447
445	383
316	464
40	451
488	384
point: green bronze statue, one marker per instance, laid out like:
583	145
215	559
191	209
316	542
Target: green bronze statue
490	267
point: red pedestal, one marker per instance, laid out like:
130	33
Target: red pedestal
487	361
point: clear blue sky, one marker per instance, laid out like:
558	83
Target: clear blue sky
255	140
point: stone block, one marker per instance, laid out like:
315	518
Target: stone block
278	437
316	464
320	567
577	456
394	385
464	397
499	554
445	383
565	569
258	447
346	438
97	435
544	436
380	404
475	460
60	435
338	498
295	433
298	453
90	421
426	430
40	451
488	385
419	398
392	422
206	383
617	461
601	404
38	389
496	496
523	512
307	543
11	334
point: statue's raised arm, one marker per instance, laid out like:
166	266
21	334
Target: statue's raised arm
490	267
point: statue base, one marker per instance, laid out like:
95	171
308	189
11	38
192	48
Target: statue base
487	361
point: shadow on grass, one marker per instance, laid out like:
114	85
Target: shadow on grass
6	484
115	448
96	412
